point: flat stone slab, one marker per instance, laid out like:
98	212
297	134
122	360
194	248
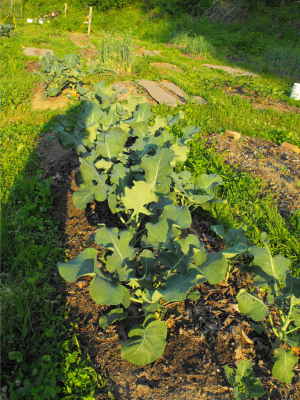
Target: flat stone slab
166	66
174	88
179	92
231	70
121	91
33	51
199	100
158	93
150	53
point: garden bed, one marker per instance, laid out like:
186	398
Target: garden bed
203	335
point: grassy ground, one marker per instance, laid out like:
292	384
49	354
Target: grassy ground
41	356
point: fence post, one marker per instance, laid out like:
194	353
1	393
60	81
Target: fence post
90	20
66	6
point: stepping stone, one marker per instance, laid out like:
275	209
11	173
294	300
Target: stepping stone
158	93
230	70
177	90
199	100
121	90
174	88
148	53
167	66
33	51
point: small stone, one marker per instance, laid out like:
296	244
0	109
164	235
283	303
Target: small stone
233	135
291	147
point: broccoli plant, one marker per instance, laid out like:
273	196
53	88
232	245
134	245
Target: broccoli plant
5	30
129	161
60	73
245	384
272	274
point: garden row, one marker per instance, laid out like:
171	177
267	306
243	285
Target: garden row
128	158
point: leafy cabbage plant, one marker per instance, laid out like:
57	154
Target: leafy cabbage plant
59	73
129	161
128	158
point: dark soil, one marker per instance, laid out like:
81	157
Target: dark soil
203	336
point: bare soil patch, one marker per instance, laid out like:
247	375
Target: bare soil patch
166	66
31	66
81	40
203	336
278	167
54	103
262	103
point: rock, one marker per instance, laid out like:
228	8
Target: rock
291	147
233	135
199	100
158	93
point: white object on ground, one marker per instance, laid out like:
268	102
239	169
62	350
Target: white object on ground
295	93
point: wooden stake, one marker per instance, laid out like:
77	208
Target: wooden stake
66	6
90	20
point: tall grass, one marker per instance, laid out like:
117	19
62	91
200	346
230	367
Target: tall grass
282	60
194	45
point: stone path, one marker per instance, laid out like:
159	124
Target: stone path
150	53
33	51
158	93
230	70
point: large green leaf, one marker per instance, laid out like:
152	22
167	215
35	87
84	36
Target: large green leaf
161	234
114	315
148	261
178	286
133	102
157	168
70	141
251	306
54	91
183	255
180	154
113	144
147	342
268	269
285	361
91	180
90	114
103	289
70	60
83	196
120	176
138	196
139	129
144	112
119	243
211	265
208	182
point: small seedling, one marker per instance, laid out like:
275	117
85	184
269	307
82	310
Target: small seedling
245	384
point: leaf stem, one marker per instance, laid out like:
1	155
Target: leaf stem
293	330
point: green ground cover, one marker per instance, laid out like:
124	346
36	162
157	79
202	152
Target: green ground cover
44	358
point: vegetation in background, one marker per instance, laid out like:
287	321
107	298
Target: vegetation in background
194	45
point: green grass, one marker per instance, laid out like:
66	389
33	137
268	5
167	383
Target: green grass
41	357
